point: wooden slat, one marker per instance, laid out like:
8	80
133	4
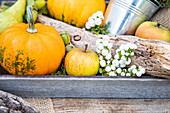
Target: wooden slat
86	87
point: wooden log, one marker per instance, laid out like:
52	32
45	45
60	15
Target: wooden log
153	55
12	104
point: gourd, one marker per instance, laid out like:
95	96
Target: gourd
75	12
31	50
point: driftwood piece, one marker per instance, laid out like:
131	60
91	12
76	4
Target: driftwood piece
12	104
153	55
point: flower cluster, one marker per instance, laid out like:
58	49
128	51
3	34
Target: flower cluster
94	24
116	66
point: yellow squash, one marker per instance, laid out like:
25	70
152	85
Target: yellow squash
75	12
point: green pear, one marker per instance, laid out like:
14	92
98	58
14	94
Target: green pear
12	15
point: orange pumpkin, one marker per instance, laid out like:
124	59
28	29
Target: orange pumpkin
29	50
75	12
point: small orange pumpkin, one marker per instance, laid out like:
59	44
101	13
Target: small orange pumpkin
29	50
75	12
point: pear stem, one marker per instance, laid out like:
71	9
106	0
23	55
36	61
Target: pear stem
85	50
31	28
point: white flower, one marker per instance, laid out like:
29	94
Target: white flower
122	47
127	54
132	53
133	67
121	62
98	21
119	70
105	52
116	56
129	69
126	47
117	50
100	57
113	67
100	14
123	58
128	62
122	52
108	62
128	74
83	29
87	25
138	74
134	71
112	74
124	70
105	43
94	16
102	63
97	50
142	70
122	65
91	23
115	63
109	45
122	74
105	37
134	46
100	46
108	56
108	69
90	19
99	41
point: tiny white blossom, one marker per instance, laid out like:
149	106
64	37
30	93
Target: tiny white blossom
134	46
138	74
99	41
100	57
91	23
108	62
109	45
108	56
83	29
94	16
113	67
97	50
108	69
128	74
102	63
122	65
112	74
98	21
124	70
122	47
90	18
118	50
133	67
134	71
100	14
105	52
116	56
100	46
126	47
127	54
123	58
121	62
129	69
132	53
105	43
142	70
119	70
115	63
128	62
122	52
87	25
122	74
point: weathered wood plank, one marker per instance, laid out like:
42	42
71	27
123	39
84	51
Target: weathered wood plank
84	87
111	105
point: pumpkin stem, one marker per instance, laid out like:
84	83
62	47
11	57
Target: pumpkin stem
85	50
31	28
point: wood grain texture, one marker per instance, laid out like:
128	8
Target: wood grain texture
111	105
85	87
153	55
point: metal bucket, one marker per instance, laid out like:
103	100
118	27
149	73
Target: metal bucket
124	16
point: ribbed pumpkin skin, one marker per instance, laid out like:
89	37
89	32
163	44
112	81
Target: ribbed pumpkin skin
38	53
75	12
